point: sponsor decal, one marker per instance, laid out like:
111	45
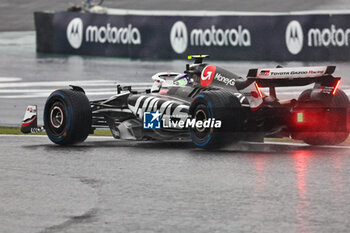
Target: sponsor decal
316	37
316	72
207	75
240	96
181	38
178	37
254	94
29	116
336	37
191	123
265	72
151	120
155	104
168	114
221	37
30	112
219	77
75	33
101	34
326	90
113	35
294	37
163	91
31	109
296	72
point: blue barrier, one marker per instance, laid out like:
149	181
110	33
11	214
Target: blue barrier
225	36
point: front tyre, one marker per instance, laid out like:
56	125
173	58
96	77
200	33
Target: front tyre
67	117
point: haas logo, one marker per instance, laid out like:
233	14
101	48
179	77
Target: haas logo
207	75
75	33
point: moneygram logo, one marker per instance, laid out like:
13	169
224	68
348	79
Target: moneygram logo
101	34
219	77
180	38
207	75
294	37
75	33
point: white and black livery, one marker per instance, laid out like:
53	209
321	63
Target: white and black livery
207	104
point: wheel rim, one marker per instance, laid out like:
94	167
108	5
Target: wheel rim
200	115
56	117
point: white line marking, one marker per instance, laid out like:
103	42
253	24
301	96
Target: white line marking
89	92
262	143
46	94
304	144
14	135
9	79
67	83
112	89
8	91
51	86
45	136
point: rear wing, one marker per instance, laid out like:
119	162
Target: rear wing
293	76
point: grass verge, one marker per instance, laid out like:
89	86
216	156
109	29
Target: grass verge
17	131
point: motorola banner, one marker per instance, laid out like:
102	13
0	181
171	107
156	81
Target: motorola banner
231	37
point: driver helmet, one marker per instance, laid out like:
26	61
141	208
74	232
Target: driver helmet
182	80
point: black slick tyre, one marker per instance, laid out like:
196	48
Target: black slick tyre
330	136
216	105
67	117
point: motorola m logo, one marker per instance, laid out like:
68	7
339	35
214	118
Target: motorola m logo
316	37
180	39
75	33
101	34
294	37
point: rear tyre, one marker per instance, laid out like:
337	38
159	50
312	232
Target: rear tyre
67	117
218	105
330	137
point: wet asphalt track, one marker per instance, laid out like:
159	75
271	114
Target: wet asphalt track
105	185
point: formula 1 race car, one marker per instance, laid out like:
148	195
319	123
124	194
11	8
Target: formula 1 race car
207	104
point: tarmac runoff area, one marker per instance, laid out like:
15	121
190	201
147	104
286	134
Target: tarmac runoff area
106	185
